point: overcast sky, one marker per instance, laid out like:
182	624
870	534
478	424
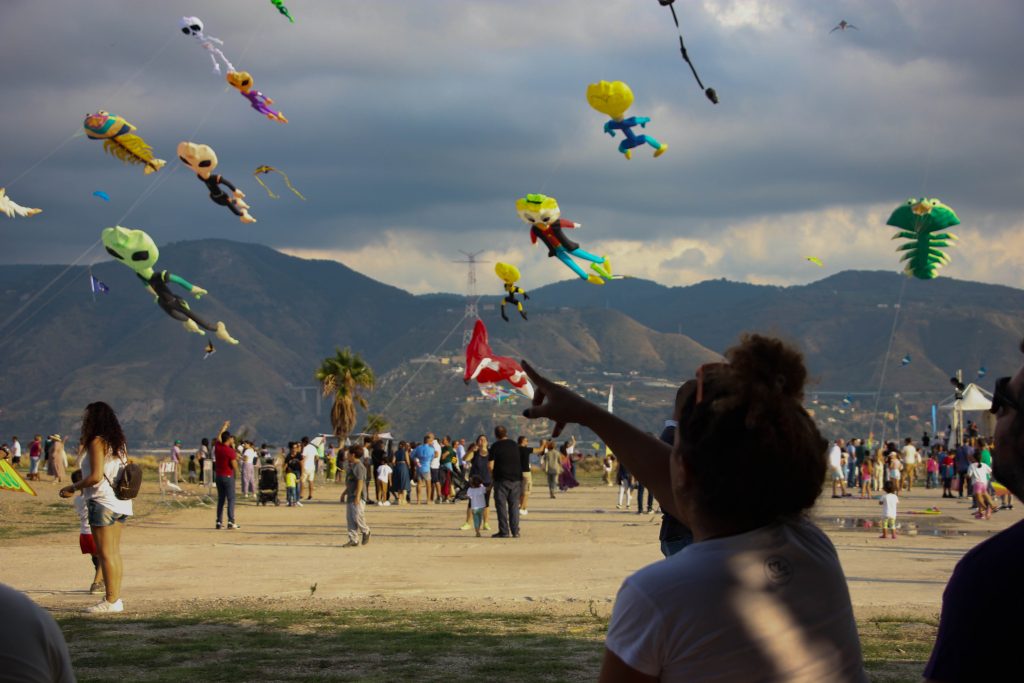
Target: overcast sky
415	124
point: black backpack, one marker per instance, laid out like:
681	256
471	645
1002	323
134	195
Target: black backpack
127	484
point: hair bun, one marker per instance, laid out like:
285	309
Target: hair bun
767	365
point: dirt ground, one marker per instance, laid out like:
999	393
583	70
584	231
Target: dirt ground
574	552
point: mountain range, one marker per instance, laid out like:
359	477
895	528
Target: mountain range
60	348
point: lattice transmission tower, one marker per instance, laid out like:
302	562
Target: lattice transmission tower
472	313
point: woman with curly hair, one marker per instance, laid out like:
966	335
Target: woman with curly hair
760	594
104	455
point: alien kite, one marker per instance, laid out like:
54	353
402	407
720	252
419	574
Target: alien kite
120	141
614	99
10	209
262	170
543	216
193	26
138	251
816	261
509	275
843	25
924	222
708	92
487	368
203	160
279	4
242	82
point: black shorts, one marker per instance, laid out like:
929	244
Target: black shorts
435	475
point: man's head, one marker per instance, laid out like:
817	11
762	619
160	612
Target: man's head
354	453
522	440
1008	406
428	439
305	441
908	441
500	432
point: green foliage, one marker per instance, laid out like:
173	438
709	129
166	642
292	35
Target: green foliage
342	376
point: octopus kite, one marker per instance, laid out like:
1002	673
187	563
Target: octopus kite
10	209
193	26
543	216
924	223
120	141
509	275
487	368
242	82
138	251
203	160
614	99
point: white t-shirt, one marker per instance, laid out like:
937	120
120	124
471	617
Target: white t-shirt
889	503
909	455
477	497
249	455
16	449
460	453
309	458
383	472
835	456
103	492
436	462
83	516
980	472
770	604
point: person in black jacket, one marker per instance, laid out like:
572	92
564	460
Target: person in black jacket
507	473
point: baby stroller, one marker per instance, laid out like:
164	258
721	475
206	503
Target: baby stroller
267	486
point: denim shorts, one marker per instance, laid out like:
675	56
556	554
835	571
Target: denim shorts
103	516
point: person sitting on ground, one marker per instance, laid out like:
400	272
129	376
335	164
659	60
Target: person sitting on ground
760	594
986	581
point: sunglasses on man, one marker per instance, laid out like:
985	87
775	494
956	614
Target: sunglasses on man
1003	396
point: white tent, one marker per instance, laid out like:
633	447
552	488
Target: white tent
975	400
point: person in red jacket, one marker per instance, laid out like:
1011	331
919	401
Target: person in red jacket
225	467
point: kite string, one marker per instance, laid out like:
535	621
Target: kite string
434	352
885	360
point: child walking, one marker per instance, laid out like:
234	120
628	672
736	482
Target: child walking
865	479
85	539
383	483
948	471
932	468
477	501
889	502
980	473
291	488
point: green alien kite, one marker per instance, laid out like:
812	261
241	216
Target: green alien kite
137	250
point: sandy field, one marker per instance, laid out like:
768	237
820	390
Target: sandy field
573	554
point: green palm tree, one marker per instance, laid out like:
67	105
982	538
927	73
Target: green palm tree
342	376
375	424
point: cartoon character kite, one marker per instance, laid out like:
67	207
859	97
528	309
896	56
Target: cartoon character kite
9	208
487	368
138	251
193	26
279	4
843	25
263	170
708	92
924	222
509	275
120	141
203	160
242	82
614	99
543	216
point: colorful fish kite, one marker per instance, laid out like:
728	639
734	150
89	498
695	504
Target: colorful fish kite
708	92
9	208
10	480
119	141
486	367
924	223
263	170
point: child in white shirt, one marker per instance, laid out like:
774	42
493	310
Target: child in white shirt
383	483
980	474
889	502
85	540
477	501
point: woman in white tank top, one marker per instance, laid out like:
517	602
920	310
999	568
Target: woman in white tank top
104	454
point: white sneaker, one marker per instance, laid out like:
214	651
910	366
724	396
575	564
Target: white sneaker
524	512
386	503
299	503
105	607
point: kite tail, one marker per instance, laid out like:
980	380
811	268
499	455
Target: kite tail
269	191
132	149
289	184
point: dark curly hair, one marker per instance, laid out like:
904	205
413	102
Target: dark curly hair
99	420
752	450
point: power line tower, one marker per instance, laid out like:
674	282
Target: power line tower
471	298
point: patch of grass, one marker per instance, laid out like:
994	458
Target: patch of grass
244	643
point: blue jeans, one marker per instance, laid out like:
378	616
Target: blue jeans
225	491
